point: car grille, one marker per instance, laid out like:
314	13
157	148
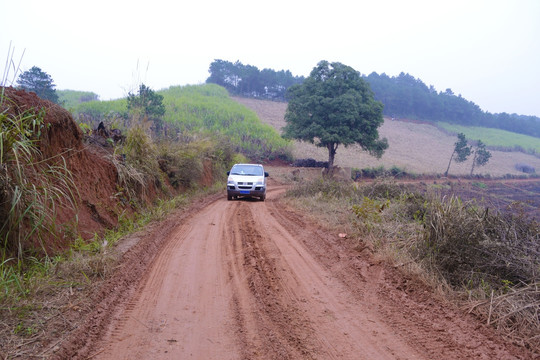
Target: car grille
245	185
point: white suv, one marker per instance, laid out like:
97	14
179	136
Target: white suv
246	180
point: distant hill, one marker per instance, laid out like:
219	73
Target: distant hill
403	96
415	147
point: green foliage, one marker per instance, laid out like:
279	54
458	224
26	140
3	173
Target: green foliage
481	155
407	97
334	106
480	185
461	149
40	82
369	209
184	162
148	105
110	112
380	171
205	110
249	81
323	187
208	109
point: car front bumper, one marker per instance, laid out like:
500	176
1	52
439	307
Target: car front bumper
253	191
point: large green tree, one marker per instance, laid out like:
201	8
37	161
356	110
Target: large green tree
38	81
335	106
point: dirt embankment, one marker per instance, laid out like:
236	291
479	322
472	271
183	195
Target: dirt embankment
94	176
255	280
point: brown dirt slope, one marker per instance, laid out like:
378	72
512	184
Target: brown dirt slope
418	148
94	175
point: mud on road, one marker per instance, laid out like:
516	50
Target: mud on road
254	280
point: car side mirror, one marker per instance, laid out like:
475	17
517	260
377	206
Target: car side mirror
266	174
228	173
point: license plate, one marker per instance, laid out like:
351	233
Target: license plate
244	192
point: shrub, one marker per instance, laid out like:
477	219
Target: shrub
470	246
325	187
527	169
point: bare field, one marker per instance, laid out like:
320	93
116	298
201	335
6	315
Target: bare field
417	148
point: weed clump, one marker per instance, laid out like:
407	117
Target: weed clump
486	258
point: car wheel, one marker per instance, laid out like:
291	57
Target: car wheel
263	197
229	197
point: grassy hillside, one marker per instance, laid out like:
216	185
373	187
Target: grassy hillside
209	108
496	137
71	98
418	148
201	109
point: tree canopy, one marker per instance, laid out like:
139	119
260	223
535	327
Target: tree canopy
481	156
334	106
248	80
408	97
461	149
38	81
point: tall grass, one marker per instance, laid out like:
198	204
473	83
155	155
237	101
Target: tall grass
209	107
31	187
113	113
200	109
489	260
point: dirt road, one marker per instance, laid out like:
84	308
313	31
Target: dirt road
253	280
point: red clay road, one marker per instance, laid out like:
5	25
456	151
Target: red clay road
254	280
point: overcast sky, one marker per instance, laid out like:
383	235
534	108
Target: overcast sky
487	51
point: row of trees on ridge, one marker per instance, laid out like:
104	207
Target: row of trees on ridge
403	96
407	97
248	80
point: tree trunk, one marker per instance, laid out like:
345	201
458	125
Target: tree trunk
332	148
473	163
448	168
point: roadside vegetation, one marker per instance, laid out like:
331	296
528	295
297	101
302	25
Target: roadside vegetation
202	134
171	141
202	110
168	156
485	260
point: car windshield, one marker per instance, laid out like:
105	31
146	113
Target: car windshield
248	170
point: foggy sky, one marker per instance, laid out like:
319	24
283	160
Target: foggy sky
487	51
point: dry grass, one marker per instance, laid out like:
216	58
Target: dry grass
396	224
416	148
